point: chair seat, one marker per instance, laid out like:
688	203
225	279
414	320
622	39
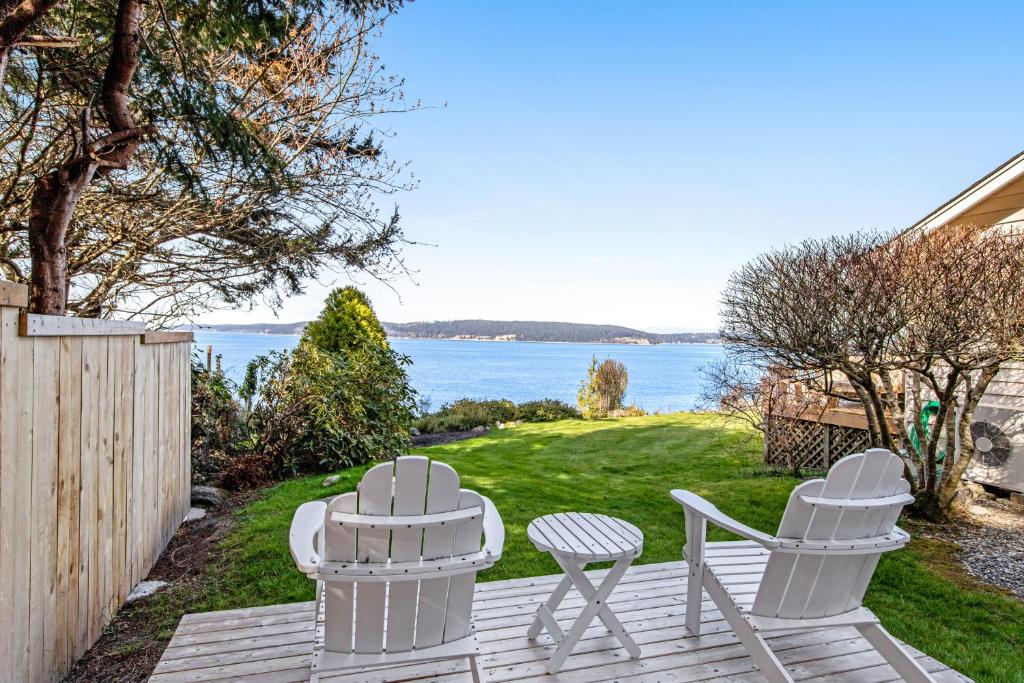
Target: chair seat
738	566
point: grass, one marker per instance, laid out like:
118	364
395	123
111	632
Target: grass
625	468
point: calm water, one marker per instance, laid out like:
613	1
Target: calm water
663	377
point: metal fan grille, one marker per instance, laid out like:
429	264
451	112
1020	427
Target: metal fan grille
992	446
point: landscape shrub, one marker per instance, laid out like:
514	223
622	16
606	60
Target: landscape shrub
246	471
340	398
321	411
631	410
603	389
468	413
216	423
546	410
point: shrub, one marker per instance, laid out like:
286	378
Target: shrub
603	389
468	413
320	411
216	422
546	410
246	471
631	410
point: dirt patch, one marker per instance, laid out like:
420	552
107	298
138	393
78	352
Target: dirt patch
133	642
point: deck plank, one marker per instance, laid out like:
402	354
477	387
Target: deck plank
273	644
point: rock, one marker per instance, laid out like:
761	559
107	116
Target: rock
332	480
145	589
1017	499
194	514
413	431
500	425
208	496
479	429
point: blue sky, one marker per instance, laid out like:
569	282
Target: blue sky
613	162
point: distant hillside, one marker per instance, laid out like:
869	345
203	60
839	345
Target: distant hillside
525	330
254	328
496	330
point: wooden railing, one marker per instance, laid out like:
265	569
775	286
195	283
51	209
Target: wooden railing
94	475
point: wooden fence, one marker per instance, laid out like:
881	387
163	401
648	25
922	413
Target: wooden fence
94	475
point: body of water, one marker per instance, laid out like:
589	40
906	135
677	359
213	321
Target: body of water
661	377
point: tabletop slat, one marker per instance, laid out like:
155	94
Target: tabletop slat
585	537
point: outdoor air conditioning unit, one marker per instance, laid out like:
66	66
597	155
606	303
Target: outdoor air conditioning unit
998	432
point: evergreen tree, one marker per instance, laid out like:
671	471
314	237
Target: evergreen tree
347	323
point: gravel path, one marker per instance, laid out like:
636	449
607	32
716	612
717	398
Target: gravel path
991	541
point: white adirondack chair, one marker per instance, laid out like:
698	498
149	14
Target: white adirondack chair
819	565
395	563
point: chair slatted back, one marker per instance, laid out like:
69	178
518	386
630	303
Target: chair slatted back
808	585
419	613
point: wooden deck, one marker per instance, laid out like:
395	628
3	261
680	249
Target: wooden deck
273	644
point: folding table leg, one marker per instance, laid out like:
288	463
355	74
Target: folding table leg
552	603
596	603
605	614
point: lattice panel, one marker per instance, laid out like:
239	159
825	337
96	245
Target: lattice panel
798	441
846	440
809	444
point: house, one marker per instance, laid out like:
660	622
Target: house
818	435
994	201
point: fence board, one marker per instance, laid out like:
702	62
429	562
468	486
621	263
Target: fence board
94	480
42	562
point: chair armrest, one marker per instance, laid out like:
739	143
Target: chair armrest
307	522
695	505
494	531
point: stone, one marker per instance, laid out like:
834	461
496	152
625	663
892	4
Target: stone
1017	499
332	480
208	496
413	431
479	429
500	425
194	514
145	589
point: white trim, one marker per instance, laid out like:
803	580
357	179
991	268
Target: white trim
981	190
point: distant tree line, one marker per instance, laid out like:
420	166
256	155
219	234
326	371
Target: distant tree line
525	330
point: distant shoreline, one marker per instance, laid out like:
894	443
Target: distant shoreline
525	331
477	339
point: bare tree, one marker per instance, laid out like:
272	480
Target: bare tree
945	307
765	400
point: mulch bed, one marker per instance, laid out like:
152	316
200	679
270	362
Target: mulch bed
445	437
133	643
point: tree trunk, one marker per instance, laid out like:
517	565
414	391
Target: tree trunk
54	198
953	471
55	195
874	436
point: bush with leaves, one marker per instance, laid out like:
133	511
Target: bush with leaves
215	422
320	411
546	410
602	391
467	413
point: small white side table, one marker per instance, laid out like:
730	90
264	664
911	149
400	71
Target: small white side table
575	539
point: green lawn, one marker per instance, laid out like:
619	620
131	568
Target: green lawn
625	468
